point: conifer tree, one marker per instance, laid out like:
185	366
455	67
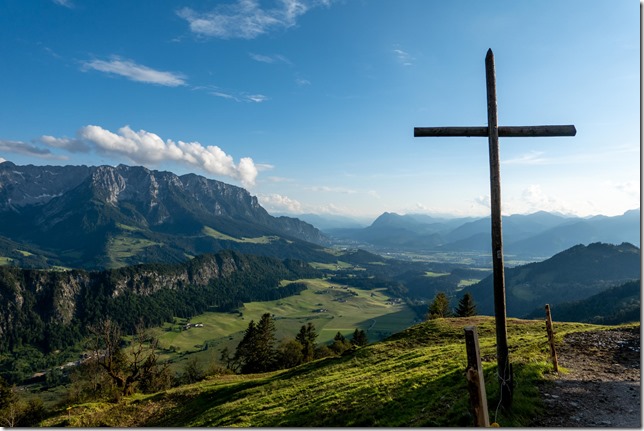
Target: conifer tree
265	343
466	306
256	351
359	338
244	353
306	337
439	307
340	344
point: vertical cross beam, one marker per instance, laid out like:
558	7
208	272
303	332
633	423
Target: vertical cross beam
493	131
502	355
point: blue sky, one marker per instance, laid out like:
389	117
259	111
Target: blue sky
311	104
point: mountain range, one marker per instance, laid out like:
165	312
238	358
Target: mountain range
612	306
572	275
532	236
105	216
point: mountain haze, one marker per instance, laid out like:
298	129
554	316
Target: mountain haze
529	236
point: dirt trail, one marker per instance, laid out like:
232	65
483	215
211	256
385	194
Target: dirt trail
602	386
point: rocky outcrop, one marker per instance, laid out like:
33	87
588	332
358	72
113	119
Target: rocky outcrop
33	300
157	197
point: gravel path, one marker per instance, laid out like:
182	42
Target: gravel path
602	385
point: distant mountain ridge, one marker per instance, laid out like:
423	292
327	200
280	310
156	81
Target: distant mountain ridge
95	216
619	304
572	275
537	235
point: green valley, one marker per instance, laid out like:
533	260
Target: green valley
331	307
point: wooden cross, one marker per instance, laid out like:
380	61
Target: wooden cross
493	131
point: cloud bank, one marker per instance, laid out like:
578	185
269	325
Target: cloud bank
246	19
23	148
148	148
279	203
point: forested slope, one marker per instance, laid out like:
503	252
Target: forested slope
44	311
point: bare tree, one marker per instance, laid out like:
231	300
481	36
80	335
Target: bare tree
127	366
10	408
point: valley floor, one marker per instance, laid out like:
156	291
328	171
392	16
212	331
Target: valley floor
601	387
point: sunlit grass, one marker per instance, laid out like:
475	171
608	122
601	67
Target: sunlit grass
128	228
122	247
435	274
266	239
339	265
414	378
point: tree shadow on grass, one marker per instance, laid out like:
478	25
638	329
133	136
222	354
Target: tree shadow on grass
438	402
189	407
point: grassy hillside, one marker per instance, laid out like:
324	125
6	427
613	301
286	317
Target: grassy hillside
414	378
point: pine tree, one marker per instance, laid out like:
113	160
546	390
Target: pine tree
340	344
306	337
256	351
466	306
244	353
439	307
359	338
265	343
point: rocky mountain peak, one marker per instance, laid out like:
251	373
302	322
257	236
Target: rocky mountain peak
133	210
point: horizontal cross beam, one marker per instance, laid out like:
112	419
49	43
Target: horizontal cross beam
507	131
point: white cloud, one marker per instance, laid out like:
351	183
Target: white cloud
530	158
146	147
483	201
257	98
278	203
71	145
270	59
274	179
223	95
264	166
301	82
534	199
246	19
65	3
136	72
327	189
631	188
403	57
240	97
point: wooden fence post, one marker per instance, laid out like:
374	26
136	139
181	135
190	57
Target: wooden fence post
551	338
475	380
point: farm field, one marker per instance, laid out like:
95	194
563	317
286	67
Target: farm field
329	306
